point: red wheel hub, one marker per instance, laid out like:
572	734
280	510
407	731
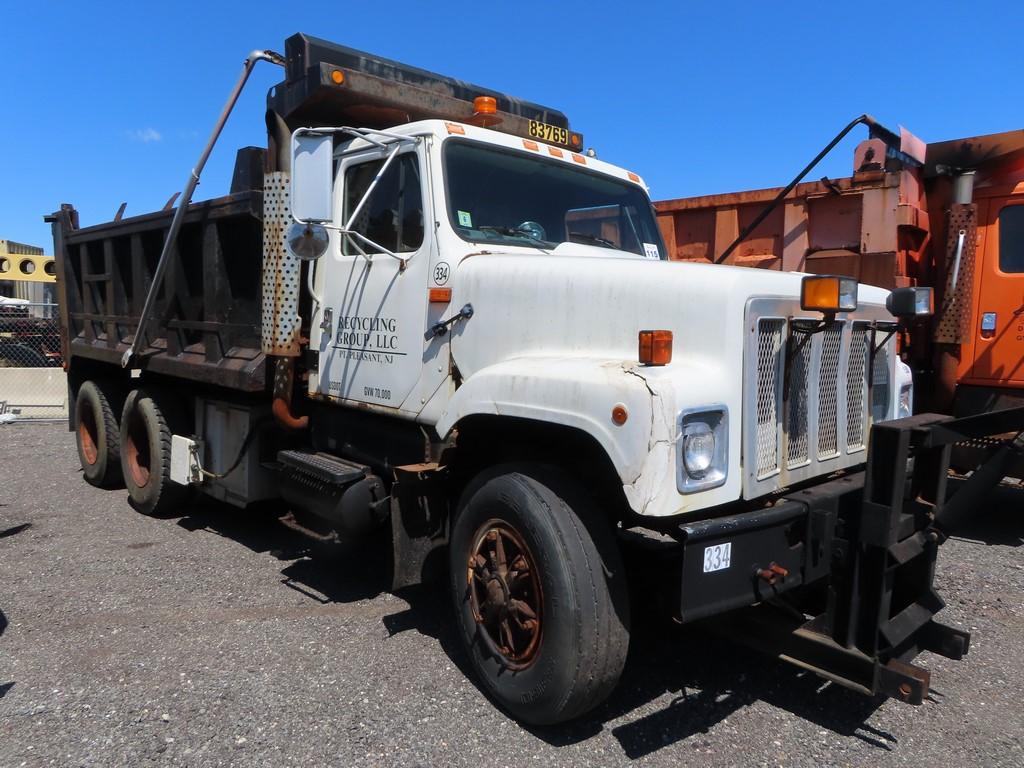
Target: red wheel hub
505	594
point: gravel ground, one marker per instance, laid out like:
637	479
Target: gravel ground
220	639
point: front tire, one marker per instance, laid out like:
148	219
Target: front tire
540	593
146	454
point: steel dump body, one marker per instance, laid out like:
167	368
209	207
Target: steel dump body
895	222
207	321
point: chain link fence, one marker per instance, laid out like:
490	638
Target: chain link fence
33	384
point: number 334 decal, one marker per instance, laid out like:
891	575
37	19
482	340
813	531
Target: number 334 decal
441	273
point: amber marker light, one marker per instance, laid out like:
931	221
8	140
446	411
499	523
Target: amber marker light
619	414
485	105
337	77
440	295
655	347
828	293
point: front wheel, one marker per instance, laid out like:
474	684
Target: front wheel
540	593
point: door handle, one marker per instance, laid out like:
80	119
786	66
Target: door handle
441	327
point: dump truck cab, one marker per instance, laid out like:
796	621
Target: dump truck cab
465	272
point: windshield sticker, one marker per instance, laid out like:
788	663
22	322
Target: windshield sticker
651	251
465	220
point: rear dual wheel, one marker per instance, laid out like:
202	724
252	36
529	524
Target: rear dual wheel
147	423
540	593
97	433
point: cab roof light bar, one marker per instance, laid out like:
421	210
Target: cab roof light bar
330	84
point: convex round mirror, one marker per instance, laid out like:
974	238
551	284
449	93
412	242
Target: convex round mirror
307	241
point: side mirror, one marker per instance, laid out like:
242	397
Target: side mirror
910	302
312	195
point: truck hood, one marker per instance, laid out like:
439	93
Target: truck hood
568	303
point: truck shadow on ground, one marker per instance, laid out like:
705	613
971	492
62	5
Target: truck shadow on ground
706	680
999	519
703	678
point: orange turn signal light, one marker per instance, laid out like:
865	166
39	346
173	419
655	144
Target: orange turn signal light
440	295
828	293
655	347
337	76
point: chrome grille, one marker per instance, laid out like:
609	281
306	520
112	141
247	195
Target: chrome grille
828	391
856	385
769	347
814	418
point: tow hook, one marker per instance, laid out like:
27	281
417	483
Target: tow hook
773	572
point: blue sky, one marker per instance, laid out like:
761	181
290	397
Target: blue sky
111	102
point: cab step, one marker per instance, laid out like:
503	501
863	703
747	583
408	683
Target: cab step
321	468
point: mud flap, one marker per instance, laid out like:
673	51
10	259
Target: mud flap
419	524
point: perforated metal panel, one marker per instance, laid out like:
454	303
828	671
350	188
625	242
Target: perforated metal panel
798	404
881	387
954	315
856	386
282	271
769	372
828	391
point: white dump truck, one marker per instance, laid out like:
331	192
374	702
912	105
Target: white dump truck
426	305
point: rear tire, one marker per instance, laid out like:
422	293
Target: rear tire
97	435
563	653
146	454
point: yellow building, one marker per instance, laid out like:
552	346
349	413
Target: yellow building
26	273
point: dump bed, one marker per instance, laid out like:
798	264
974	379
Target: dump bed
948	218
206	323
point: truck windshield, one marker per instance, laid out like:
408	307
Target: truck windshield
502	196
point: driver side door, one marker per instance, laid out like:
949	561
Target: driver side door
371	322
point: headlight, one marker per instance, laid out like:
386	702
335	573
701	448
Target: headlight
698	448
703	449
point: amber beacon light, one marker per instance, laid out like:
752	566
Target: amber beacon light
655	347
828	293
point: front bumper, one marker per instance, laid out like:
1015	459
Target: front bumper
835	578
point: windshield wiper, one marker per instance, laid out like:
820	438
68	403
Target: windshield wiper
514	232
593	239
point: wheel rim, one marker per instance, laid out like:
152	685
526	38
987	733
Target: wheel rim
504	594
87	435
136	450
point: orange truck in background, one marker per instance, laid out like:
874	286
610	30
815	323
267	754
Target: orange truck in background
949	215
